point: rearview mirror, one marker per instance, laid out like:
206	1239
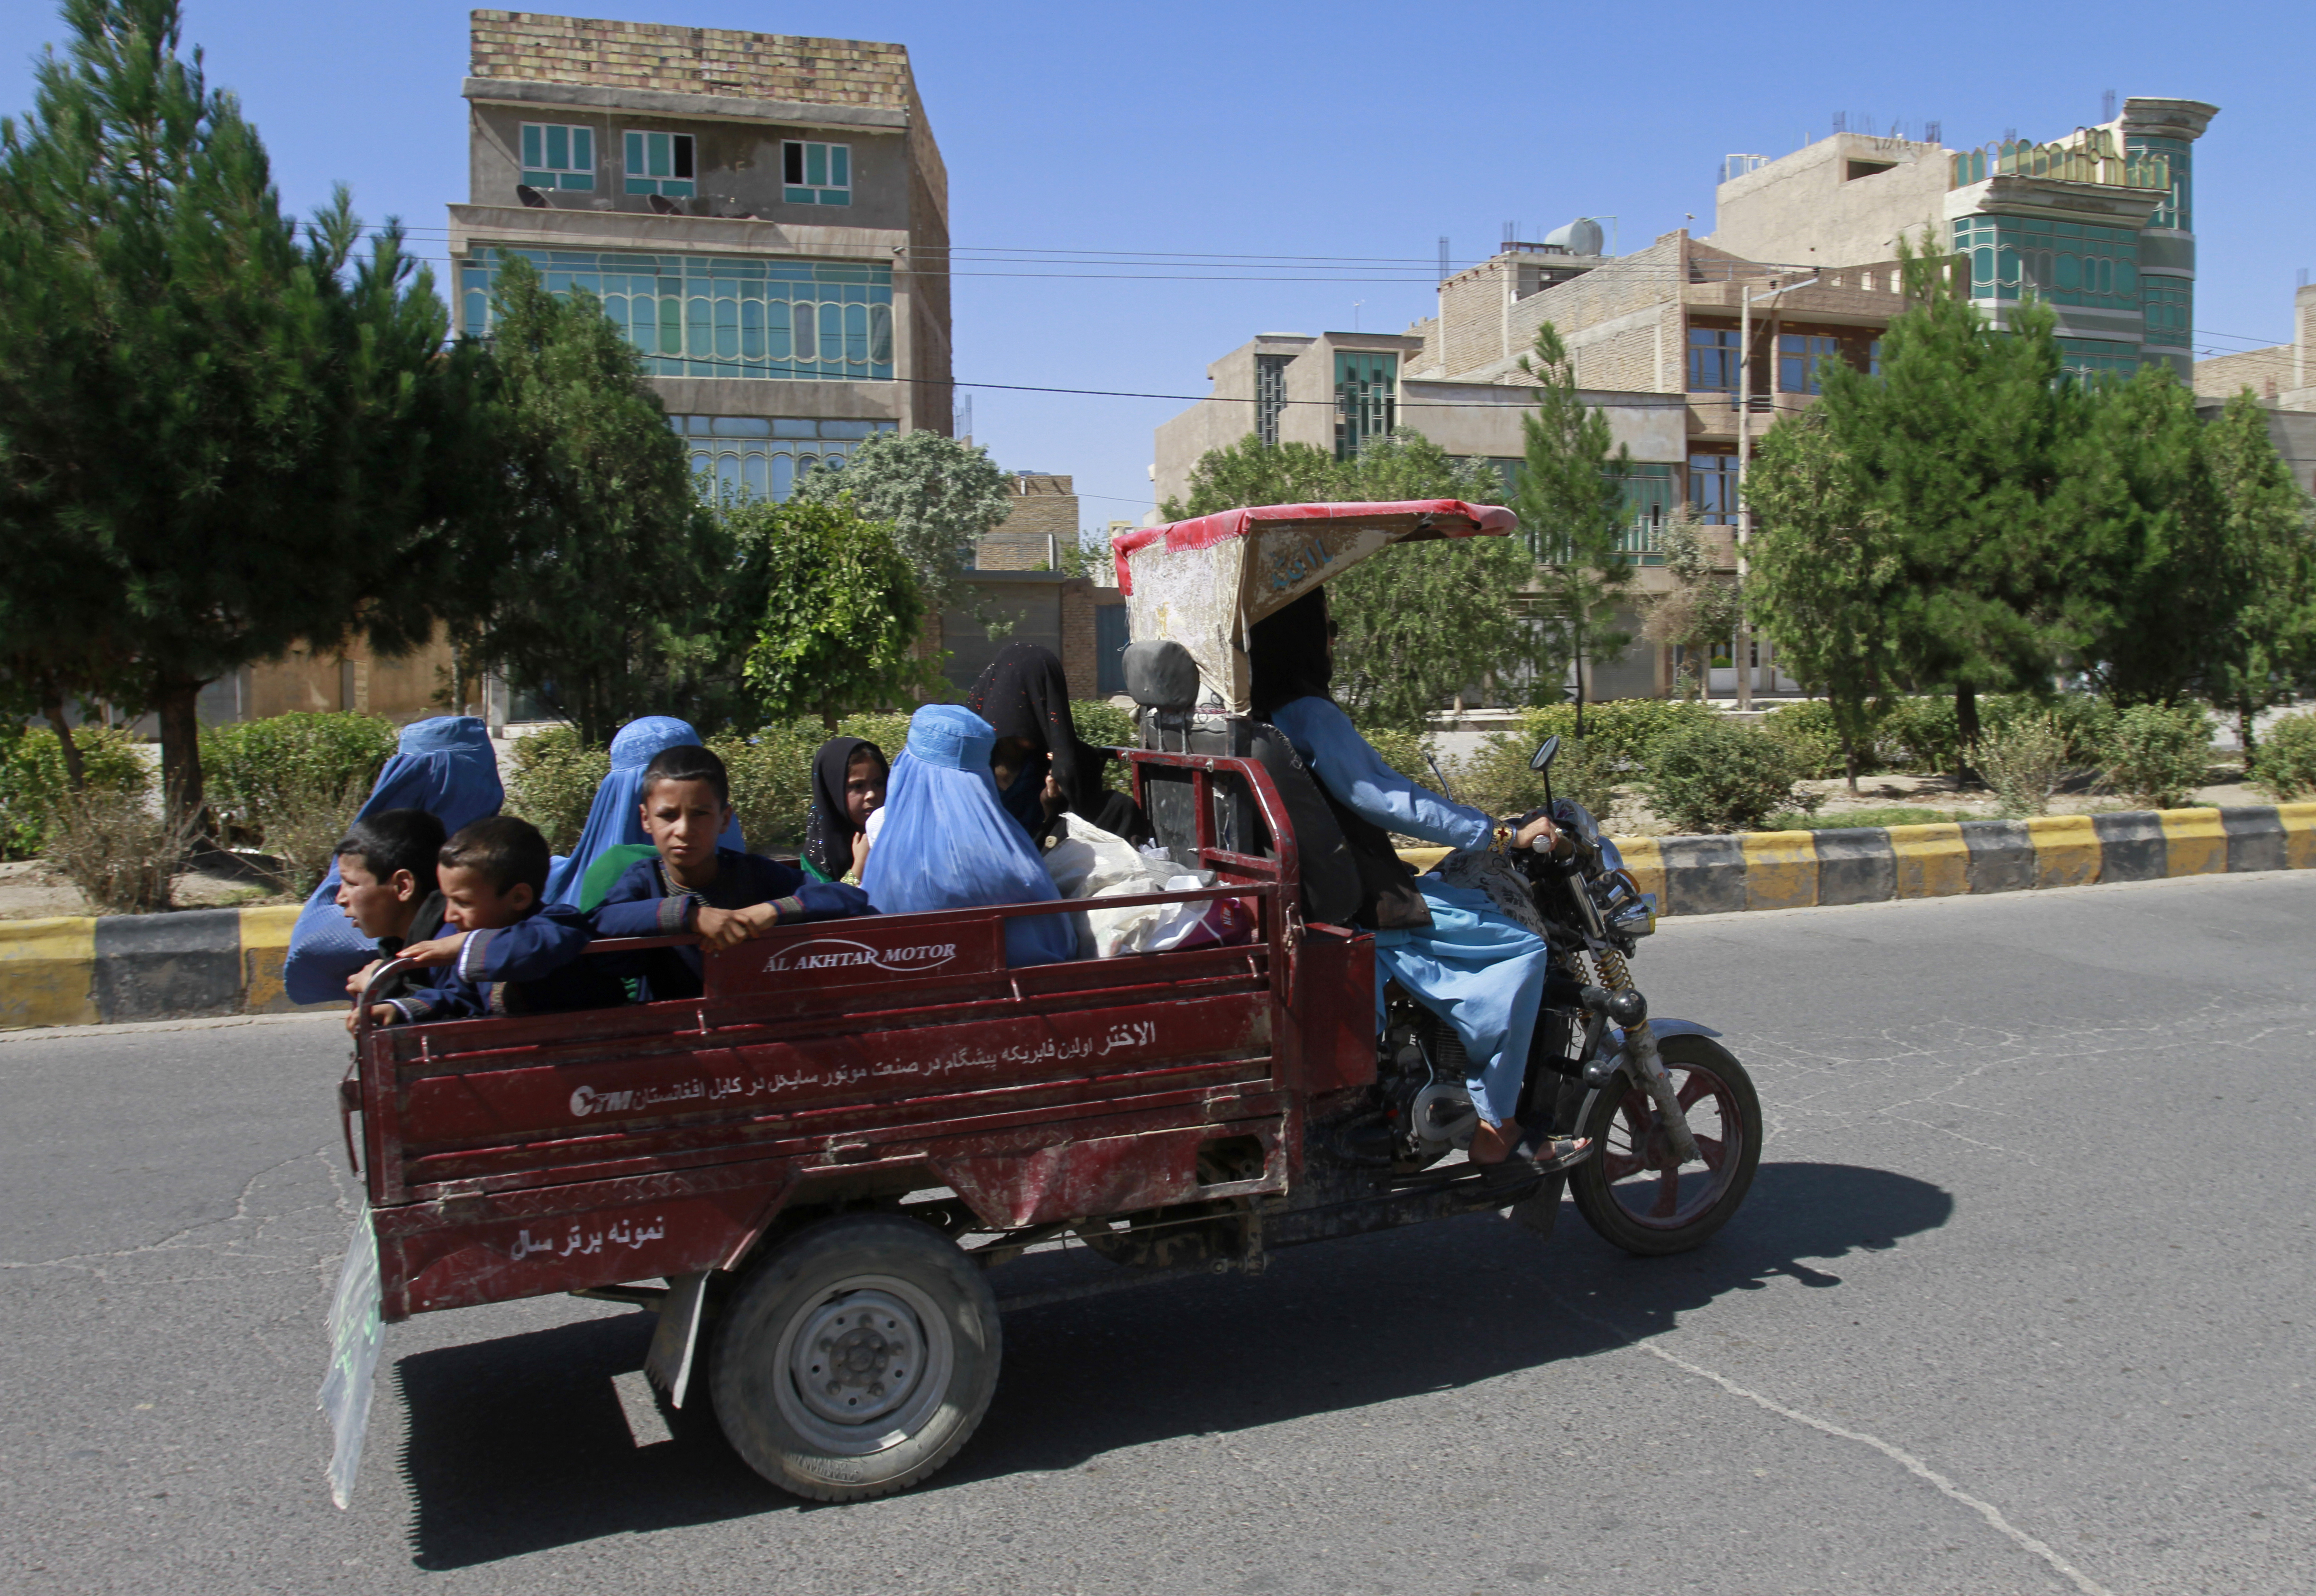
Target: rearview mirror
1546	754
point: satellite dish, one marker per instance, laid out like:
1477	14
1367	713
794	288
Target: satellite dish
531	196
667	207
1582	236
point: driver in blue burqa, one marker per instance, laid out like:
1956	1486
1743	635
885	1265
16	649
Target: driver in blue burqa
1463	959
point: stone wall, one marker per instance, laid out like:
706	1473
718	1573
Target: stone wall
673	60
2268	372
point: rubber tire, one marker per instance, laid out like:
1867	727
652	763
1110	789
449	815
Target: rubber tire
790	1280
1588	1182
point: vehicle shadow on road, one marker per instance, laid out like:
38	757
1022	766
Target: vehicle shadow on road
521	1444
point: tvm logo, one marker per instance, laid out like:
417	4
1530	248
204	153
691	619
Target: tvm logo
830	953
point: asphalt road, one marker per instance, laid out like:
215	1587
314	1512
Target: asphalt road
2020	1303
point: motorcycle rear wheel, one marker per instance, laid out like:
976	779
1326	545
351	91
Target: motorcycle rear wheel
1632	1192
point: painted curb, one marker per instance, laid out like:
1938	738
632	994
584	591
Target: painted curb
101	970
1804	869
197	962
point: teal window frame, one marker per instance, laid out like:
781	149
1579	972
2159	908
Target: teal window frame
557	155
755	456
718	316
663	164
816	173
1366	399
1648	490
2063	262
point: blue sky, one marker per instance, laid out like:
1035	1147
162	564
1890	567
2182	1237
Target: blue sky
1352	131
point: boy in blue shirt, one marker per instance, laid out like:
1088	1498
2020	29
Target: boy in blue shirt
506	952
690	884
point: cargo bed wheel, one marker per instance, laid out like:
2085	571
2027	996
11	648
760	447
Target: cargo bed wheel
856	1358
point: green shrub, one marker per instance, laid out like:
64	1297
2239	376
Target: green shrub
1495	777
1720	775
2284	764
2158	754
1620	731
254	768
2084	723
552	782
771	770
1807	730
1887	815
1921	734
32	778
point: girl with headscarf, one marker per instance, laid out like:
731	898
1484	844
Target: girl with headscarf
444	766
1041	766
1469	963
616	819
849	777
946	843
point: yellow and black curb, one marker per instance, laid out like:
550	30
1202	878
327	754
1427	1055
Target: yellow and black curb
84	971
1803	869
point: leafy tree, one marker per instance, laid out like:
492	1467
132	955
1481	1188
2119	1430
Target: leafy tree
1824	568
841	615
2150	592
1417	625
216	439
1251	472
1570	495
2266	537
1699	611
615	558
1958	448
938	495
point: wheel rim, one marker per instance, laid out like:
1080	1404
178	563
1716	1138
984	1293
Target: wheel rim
863	1365
1637	1160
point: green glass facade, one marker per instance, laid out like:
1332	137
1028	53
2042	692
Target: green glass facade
1366	399
2063	262
762	457
719	315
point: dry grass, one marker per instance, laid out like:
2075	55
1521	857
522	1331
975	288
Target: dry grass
118	849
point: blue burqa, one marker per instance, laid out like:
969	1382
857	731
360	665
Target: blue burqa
444	766
1474	966
946	842
616	816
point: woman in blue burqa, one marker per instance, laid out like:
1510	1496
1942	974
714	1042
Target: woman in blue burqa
614	836
946	842
1459	956
444	766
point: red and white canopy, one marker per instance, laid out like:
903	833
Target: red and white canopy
1202	582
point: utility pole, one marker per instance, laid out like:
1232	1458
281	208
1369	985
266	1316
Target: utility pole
1742	645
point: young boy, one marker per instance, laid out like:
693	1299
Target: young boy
508	953
692	885
387	887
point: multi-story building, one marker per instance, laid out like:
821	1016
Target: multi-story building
766	217
2098	225
2283	376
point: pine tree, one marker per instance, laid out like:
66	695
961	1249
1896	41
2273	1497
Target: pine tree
215	438
1825	569
614	559
1569	496
1957	449
2268	541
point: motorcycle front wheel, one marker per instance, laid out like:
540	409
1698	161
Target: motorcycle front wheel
1632	1192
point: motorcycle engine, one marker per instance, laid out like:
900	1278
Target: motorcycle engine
1426	1066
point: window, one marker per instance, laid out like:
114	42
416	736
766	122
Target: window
1270	394
1713	488
1798	354
816	173
719	315
1874	358
1712	360
660	163
556	156
762	457
2164	301
1648	489
1366	399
